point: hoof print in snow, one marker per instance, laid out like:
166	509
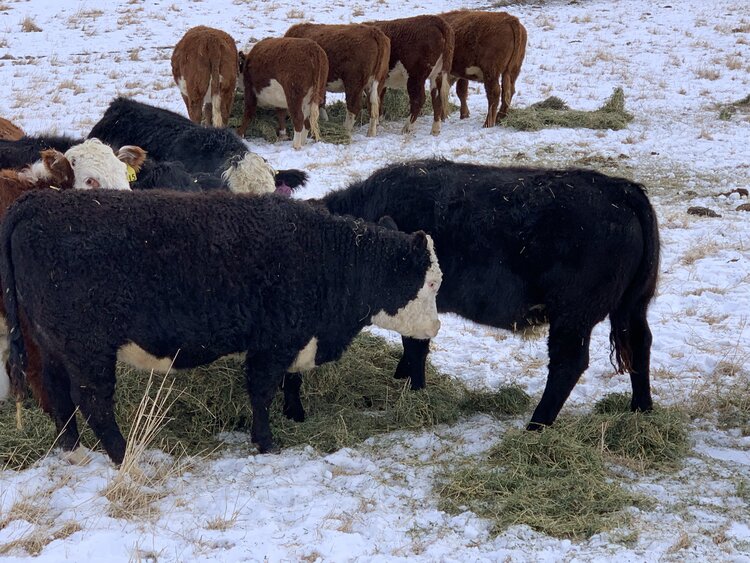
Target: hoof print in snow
702	212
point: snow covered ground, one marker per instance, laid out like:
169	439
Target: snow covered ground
676	62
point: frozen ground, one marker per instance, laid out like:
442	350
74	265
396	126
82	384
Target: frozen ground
676	62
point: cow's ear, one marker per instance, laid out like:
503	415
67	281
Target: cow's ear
60	170
387	222
420	240
132	155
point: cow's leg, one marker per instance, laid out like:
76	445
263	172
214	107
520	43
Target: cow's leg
195	109
251	102
382	99
292	401
93	390
413	361
56	383
264	372
353	105
508	91
640	343
462	91
298	120
415	89
206	118
492	89
281	120
568	359
227	100
373	102
437	104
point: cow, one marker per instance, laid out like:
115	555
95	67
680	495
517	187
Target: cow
358	58
9	131
170	137
286	74
287	283
525	246
204	66
489	45
421	50
20	153
98	167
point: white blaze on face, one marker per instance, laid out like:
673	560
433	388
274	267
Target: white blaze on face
419	317
251	175
95	165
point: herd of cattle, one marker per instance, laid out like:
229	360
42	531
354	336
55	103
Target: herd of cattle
207	255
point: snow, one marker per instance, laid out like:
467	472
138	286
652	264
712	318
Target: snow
676	62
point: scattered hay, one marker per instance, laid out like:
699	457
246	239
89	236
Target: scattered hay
554	112
727	111
557	481
507	401
549	480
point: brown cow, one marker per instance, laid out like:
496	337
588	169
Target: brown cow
421	49
488	45
204	66
357	62
9	131
287	74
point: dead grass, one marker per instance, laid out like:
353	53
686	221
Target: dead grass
70	85
135	54
295	14
708	73
700	250
28	25
727	111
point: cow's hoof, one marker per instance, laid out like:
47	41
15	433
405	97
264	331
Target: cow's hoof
535	426
417	384
268	448
297	414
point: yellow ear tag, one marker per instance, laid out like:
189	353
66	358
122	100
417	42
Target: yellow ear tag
131	173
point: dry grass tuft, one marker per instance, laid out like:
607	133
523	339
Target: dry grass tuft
28	25
295	14
707	73
727	111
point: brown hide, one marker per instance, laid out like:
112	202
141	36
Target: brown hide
206	59
358	55
494	43
298	65
12	186
418	43
9	131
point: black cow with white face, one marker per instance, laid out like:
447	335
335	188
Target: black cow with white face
148	276
169	136
522	246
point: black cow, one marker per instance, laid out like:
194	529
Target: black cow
25	151
142	276
169	136
522	246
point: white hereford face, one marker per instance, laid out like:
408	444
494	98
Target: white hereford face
251	175
419	317
95	165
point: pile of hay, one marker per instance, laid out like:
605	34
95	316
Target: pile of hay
557	481
346	402
395	108
554	112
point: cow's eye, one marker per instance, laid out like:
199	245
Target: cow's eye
92	183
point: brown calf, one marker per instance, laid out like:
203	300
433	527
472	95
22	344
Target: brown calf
489	45
204	66
9	131
286	74
421	49
357	62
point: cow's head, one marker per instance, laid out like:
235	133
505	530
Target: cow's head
250	173
96	165
52	168
419	317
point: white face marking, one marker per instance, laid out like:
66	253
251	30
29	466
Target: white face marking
305	360
272	96
335	86
474	72
182	85
419	317
251	175
95	165
397	77
137	357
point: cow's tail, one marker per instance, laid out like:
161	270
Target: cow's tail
382	66
319	94
634	302
511	72
448	48
215	86
17	358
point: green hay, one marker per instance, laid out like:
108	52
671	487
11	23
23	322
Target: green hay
507	401
554	112
346	402
726	111
549	480
557	481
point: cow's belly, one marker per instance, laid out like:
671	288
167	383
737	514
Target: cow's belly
397	77
474	73
139	358
272	96
335	86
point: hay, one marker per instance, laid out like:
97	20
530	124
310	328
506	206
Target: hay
549	480
557	481
346	402
554	112
395	108
727	111
506	401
